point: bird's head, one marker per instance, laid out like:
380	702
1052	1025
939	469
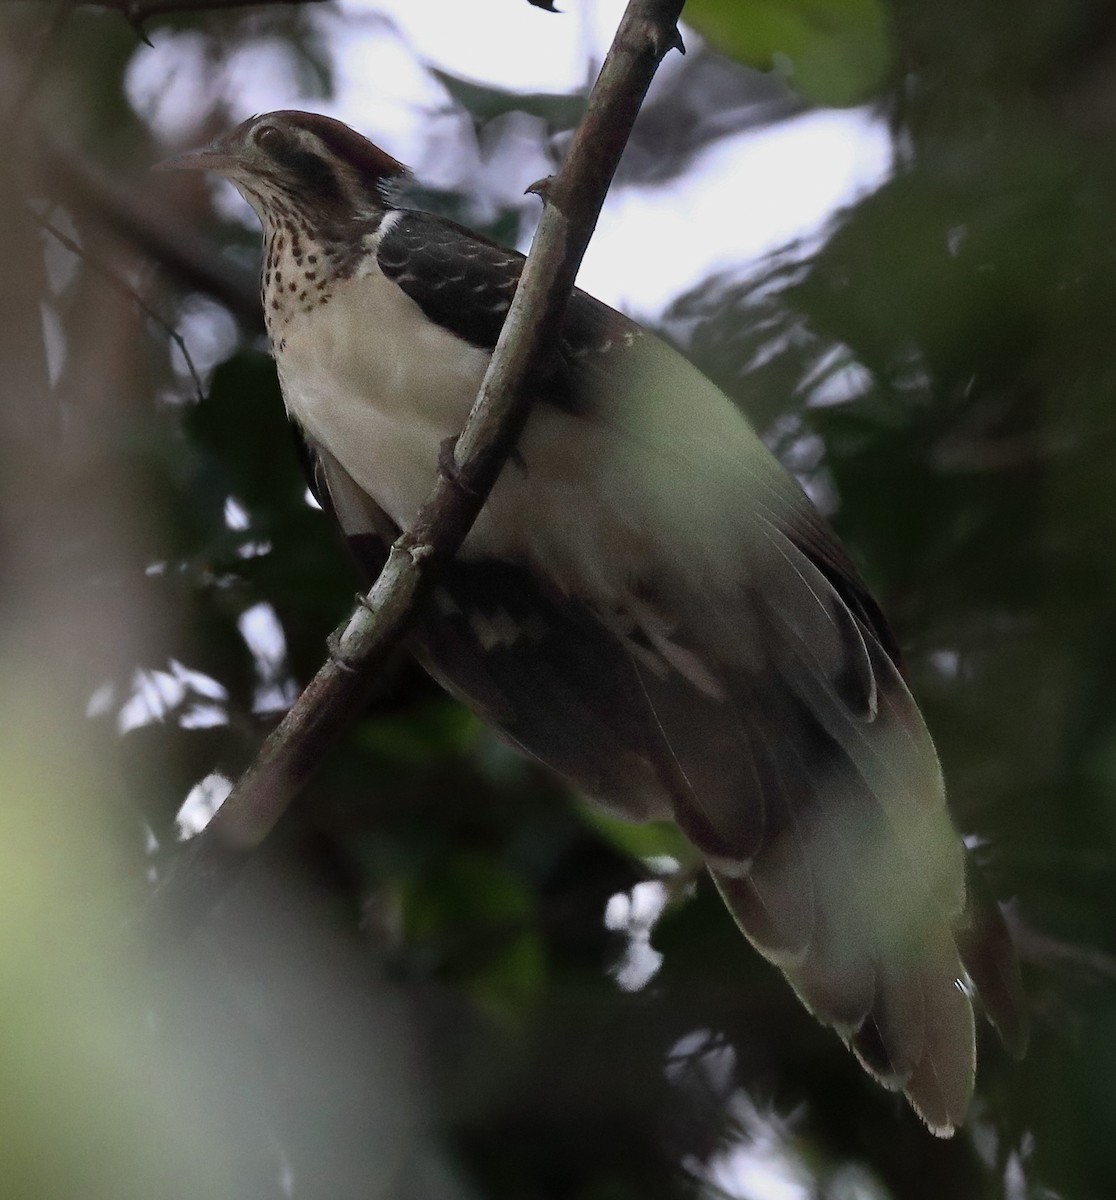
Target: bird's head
292	163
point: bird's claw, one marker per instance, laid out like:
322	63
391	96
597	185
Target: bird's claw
337	655
449	469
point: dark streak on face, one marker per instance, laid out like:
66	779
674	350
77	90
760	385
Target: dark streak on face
317	181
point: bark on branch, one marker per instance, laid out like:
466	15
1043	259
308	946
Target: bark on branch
573	200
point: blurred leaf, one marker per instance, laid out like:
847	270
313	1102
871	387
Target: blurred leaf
502	227
479	920
421	734
243	423
833	52
653	839
560	110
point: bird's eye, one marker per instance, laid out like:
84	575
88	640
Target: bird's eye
269	137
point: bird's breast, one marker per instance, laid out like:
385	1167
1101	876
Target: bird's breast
370	378
590	502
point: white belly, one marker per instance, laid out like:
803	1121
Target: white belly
382	414
596	504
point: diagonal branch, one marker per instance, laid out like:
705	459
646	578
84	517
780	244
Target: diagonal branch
122	285
146	224
295	749
138	11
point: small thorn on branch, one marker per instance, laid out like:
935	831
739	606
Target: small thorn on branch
135	17
541	188
664	41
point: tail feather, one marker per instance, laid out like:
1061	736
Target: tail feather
778	921
891	1043
941	1085
860	899
988	952
908	1021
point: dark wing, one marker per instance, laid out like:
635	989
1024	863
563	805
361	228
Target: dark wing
541	669
460	280
534	664
465	283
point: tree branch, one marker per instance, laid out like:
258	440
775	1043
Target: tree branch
138	11
573	200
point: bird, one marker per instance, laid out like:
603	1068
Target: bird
647	602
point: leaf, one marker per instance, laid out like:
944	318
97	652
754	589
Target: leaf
478	920
242	423
561	110
833	52
421	735
649	840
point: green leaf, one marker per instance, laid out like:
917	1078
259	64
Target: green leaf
479	921
562	110
421	735
832	52
648	840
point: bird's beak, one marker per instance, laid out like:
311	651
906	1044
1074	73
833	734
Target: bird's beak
212	158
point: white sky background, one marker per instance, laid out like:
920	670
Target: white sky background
743	196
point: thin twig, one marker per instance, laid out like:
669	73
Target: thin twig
129	290
153	228
573	200
1043	949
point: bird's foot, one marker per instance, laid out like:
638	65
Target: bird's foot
449	469
339	658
